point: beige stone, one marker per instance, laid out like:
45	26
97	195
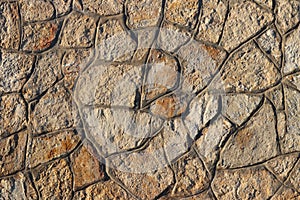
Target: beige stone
293	80
294	177
267	3
286	193
103	7
63	7
292	52
276	97
39	10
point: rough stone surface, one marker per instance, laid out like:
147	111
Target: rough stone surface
276	97
78	31
294	178
292	52
245	20
62	6
286	193
184	13
107	7
36	10
9	23
268	3
12	114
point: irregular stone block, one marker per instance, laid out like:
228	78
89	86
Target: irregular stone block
40	10
292	52
105	8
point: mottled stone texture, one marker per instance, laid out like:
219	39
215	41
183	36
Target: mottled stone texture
150	99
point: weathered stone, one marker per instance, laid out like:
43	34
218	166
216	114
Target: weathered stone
267	3
294	177
14	69
270	42
54	180
46	72
292	52
249	70
282	165
290	141
17	187
247	183
54	111
200	62
145	173
12	114
103	190
245	19
286	193
191	175
207	195
212	20
287	14
107	7
73	63
169	106
276	97
162	75
113	42
9	23
86	167
32	10
51	146
293	80
12	157
184	13
209	144
78	31
250	144
239	107
40	36
62	7
143	13
202	109
120	129
170	37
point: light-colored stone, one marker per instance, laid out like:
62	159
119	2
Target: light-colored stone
14	69
248	183
162	75
238	107
113	42
12	157
212	20
199	62
202	109
276	97
18	186
86	167
287	14
286	193
245	20
249	70
45	148
184	13
144	13
103	7
79	31
294	177
62	7
290	141
9	23
292	52
46	72
270	42
53	180
267	3
12	114
40	36
39	10
250	144
54	111
282	165
294	80
107	190
191	175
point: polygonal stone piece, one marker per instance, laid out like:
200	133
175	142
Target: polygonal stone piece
12	114
184	13
32	10
105	8
14	70
144	13
275	95
212	20
292	52
294	177
78	31
62	7
286	193
245	19
251	145
12	157
9	23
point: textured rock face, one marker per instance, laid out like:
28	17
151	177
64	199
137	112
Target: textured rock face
149	99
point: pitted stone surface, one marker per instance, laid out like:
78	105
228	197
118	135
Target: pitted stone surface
292	52
103	7
36	10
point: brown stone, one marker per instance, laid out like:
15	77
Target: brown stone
53	180
45	148
9	23
12	157
86	167
13	114
107	7
40	10
286	193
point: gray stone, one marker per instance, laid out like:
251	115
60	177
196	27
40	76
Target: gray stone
106	8
245	20
9	23
292	52
39	10
14	70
